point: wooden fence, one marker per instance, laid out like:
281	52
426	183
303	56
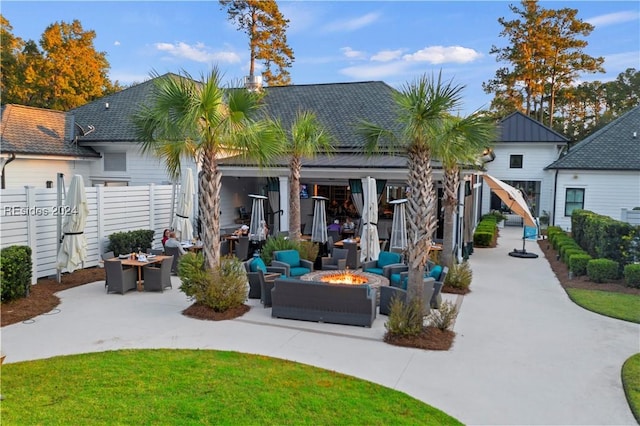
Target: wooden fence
29	216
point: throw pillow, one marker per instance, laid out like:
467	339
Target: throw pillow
258	265
435	272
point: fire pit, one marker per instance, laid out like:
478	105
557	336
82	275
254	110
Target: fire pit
348	277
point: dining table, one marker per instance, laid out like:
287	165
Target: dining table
129	261
340	244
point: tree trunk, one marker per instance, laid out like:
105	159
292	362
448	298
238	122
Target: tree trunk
451	186
209	205
294	198
421	215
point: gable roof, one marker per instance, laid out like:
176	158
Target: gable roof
38	131
614	147
518	127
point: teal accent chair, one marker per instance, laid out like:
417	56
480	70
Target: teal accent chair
291	261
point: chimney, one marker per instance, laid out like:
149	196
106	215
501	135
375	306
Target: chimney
253	83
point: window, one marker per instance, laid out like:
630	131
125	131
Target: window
115	161
574	199
515	161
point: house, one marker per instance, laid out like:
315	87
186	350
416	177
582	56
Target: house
601	173
36	144
523	150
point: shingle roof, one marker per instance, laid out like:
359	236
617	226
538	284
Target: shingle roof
517	127
111	115
339	106
614	147
37	131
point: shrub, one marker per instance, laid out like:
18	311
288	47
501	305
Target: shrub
405	319
275	244
15	272
570	252
130	241
578	263
444	317
632	275
308	250
222	288
459	276
483	239
602	270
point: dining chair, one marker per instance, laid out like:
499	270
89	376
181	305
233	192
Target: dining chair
175	252
157	278
119	280
353	256
242	248
224	247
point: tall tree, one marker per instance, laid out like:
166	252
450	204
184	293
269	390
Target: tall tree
198	119
9	66
306	137
459	141
546	55
424	106
266	27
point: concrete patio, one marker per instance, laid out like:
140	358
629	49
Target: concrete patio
523	354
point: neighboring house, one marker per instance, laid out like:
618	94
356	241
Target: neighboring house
36	144
601	173
523	149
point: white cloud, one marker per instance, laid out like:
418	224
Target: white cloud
116	43
197	52
352	24
387	55
352	54
376	72
613	18
443	54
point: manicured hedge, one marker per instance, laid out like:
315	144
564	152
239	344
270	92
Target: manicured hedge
130	241
15	272
602	270
632	275
578	263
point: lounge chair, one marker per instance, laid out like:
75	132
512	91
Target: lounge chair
256	269
291	261
382	265
388	293
337	261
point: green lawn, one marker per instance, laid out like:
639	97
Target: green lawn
615	305
631	383
196	387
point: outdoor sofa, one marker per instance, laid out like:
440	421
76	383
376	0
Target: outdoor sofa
323	302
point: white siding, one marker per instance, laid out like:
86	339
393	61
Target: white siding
606	192
141	169
536	156
23	172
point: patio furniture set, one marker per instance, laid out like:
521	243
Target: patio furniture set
150	272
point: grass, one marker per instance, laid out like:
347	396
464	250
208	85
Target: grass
196	387
631	383
615	305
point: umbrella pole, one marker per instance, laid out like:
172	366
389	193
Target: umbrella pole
61	194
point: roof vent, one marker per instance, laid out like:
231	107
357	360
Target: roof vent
106	105
253	83
635	135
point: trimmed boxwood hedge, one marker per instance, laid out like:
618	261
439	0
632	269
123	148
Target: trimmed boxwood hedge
15	272
632	275
602	270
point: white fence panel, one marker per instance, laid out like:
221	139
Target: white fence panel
28	217
630	216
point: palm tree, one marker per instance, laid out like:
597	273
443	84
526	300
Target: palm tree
199	119
459	141
423	108
306	138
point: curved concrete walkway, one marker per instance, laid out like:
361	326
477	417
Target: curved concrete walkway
524	353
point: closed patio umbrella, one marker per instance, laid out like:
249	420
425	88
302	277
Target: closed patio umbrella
369	241
182	220
73	250
319	228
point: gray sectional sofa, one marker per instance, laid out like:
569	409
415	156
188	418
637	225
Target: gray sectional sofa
322	302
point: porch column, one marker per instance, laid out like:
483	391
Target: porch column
284	202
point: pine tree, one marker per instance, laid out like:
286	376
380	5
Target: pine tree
266	28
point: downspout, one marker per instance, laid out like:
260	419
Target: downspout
555	197
13	157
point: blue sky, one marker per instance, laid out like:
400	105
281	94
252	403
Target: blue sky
340	41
